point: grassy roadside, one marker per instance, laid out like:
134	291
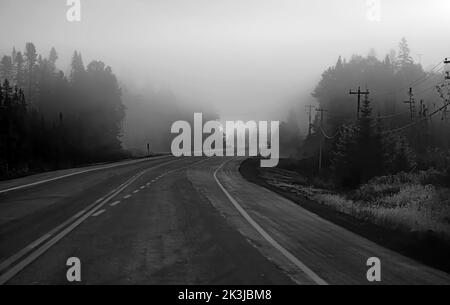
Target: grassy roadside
403	213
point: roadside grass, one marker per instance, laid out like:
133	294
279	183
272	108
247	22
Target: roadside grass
411	202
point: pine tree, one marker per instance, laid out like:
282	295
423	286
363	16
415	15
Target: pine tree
369	144
387	61
6	67
53	57
77	68
342	156
339	64
13	56
357	155
19	75
31	60
404	58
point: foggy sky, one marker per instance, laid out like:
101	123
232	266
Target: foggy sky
248	57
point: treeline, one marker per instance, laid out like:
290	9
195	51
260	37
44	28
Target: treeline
389	136
50	120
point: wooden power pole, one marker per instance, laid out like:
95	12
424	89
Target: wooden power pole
321	110
310	107
411	102
359	93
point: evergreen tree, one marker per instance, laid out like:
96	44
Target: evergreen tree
31	61
19	76
53	56
342	156
339	64
13	56
404	58
77	71
6	67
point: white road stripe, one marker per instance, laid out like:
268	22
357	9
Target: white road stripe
115	203
142	187
69	225
317	279
39	241
135	191
78	214
9	261
126	196
98	213
78	173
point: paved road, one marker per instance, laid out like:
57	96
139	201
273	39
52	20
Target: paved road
179	221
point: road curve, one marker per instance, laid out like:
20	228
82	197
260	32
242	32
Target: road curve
180	221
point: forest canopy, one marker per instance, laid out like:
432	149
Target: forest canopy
51	120
402	123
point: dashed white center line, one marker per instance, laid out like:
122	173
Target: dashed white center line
126	196
78	214
115	203
98	213
142	187
135	191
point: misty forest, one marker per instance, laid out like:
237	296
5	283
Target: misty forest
376	147
395	142
402	124
387	164
50	120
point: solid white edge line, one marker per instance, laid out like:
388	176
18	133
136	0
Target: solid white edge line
6	276
78	173
317	279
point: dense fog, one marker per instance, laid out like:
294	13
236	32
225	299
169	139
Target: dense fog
235	59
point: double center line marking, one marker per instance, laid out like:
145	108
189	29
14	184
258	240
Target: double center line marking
42	244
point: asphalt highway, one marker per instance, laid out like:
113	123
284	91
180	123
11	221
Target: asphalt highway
173	220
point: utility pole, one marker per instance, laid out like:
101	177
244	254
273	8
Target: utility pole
411	102
310	107
421	108
420	58
444	114
321	110
359	93
447	78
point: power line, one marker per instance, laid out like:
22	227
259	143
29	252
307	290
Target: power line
327	136
418	121
392	115
359	93
427	89
415	82
411	102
